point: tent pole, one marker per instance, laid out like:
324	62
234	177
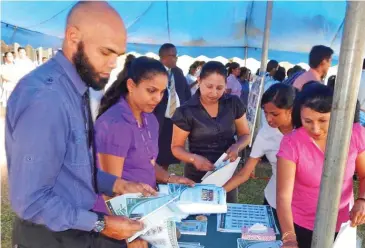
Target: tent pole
246	56
343	109
264	57
265	43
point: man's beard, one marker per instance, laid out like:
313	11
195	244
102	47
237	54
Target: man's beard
86	70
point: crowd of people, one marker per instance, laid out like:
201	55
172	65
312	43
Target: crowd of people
15	65
62	166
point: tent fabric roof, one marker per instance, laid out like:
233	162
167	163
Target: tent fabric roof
216	28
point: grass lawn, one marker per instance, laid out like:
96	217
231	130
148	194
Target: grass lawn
251	192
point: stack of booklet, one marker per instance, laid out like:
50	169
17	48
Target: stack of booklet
160	213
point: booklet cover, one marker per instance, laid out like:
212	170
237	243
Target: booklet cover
241	243
200	199
241	216
223	171
193	227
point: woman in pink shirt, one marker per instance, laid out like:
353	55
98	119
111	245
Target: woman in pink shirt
300	163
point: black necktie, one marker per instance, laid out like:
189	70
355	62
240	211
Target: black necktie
89	126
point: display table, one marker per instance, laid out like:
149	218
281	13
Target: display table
237	215
213	239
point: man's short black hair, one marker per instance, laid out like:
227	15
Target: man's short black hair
318	54
164	48
272	64
21	48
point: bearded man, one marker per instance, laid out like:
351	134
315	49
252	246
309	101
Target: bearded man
49	141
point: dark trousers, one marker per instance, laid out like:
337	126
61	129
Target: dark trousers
195	175
29	235
165	156
304	236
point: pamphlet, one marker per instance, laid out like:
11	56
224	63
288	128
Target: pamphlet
240	216
241	243
200	199
223	171
193	227
190	245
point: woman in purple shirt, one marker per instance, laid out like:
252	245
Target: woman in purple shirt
126	130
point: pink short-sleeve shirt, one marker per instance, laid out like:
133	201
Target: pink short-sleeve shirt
309	159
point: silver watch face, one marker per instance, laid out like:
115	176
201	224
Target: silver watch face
99	226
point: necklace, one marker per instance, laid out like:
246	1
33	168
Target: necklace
147	147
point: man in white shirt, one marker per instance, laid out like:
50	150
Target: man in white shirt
176	94
23	63
271	68
361	97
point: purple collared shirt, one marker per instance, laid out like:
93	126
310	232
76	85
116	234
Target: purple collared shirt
117	133
48	157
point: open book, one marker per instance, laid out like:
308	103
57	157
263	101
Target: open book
223	171
173	204
152	211
200	199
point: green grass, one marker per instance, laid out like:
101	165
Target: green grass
251	192
6	213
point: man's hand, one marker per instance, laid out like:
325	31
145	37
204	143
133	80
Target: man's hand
138	243
181	180
120	227
123	187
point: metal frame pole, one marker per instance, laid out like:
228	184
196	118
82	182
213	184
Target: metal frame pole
346	92
265	43
264	57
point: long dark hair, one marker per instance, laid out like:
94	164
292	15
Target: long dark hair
232	66
315	96
136	69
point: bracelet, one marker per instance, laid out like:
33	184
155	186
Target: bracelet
286	234
170	175
192	158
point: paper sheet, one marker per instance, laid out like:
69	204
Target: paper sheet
223	171
346	236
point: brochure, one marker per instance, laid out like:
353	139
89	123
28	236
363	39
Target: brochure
241	216
193	227
200	199
241	243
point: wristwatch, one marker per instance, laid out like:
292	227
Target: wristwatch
100	223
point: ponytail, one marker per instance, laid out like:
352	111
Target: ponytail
136	69
117	89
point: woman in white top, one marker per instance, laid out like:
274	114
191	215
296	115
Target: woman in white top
192	77
277	103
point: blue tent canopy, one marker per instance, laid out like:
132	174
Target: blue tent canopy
196	28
